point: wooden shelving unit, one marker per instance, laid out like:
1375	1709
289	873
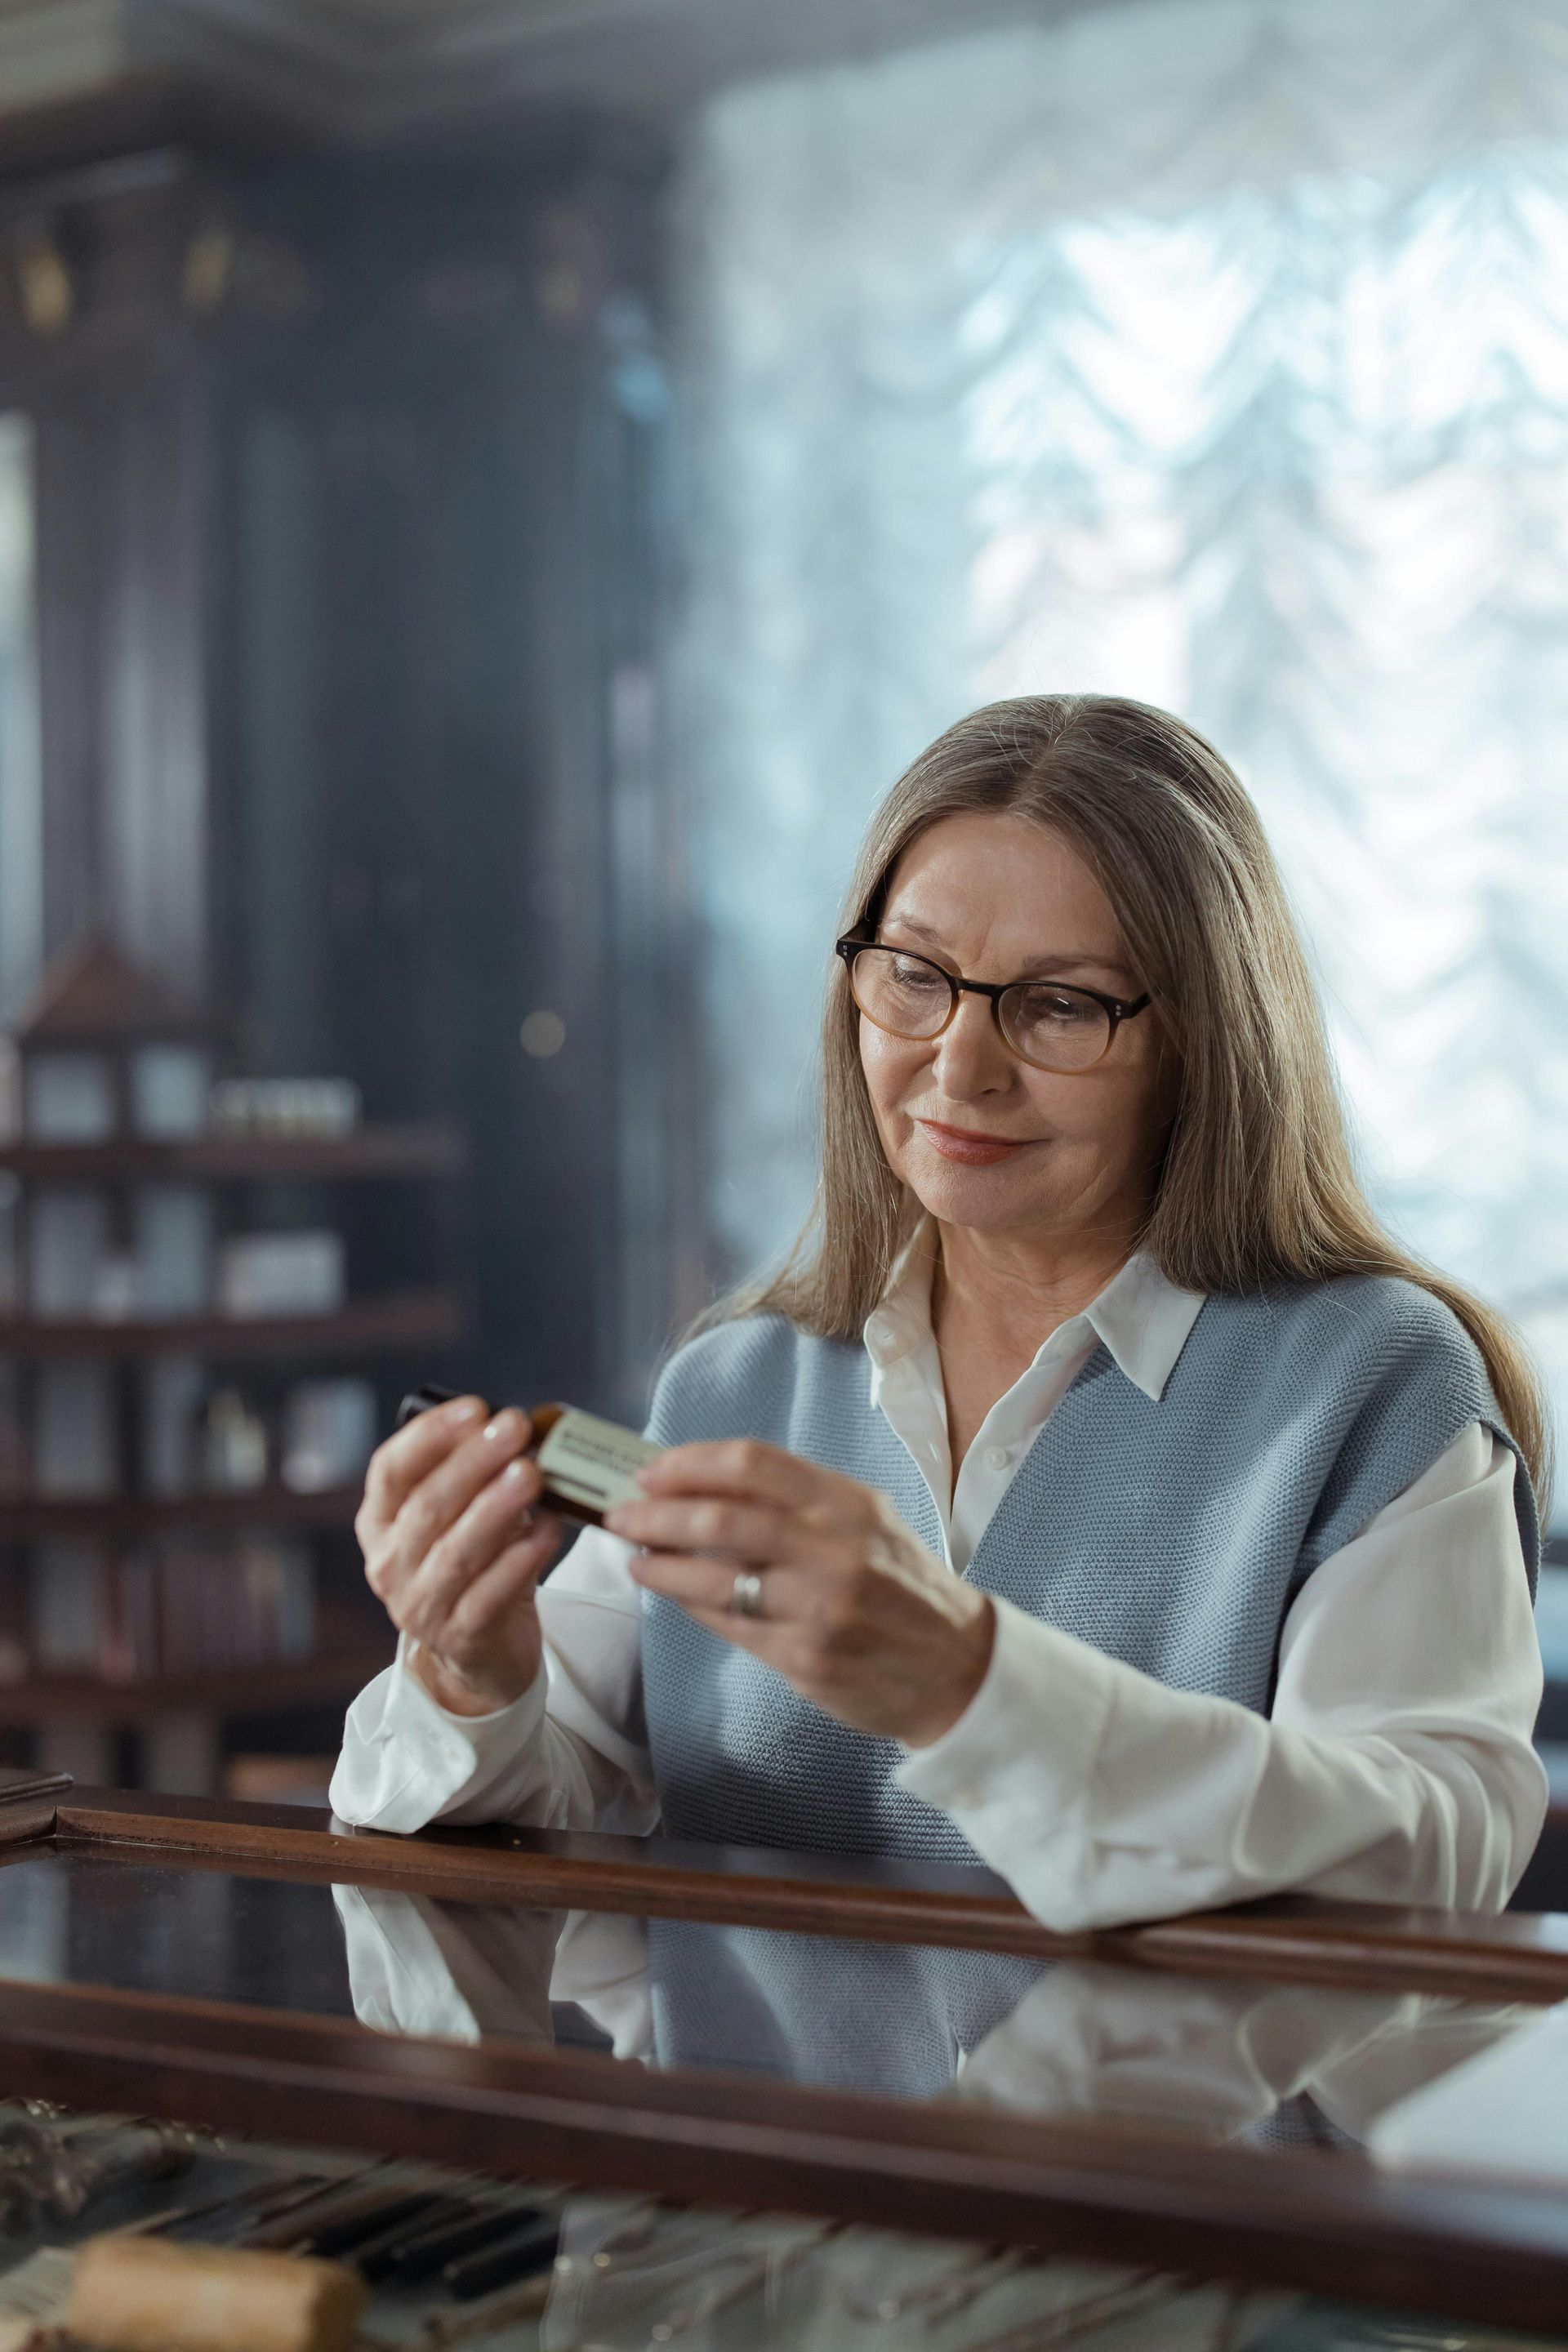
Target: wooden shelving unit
390	1151
130	1517
97	1006
320	1681
409	1318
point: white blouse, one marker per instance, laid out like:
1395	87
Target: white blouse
1396	1765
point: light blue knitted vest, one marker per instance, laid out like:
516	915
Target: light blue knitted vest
1174	1535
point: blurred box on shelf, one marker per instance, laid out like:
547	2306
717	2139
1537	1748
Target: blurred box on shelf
69	1583
183	1607
328	1434
67	1097
277	1580
172	1392
170	1086
76	1440
173	1250
285	1108
75	1272
246	1602
15	1465
127	1649
10	1243
281	1274
68	1250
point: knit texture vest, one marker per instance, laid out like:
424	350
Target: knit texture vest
1174	1535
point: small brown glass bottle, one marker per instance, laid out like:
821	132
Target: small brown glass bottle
586	1465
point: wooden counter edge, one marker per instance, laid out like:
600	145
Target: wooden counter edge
1505	1958
1491	2251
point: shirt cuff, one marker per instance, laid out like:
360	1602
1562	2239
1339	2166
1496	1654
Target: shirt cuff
1018	1765
406	1757
475	1736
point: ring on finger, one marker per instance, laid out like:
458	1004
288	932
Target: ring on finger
746	1593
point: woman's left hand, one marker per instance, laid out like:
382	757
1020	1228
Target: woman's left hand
855	1613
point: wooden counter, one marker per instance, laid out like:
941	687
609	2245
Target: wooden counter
119	2019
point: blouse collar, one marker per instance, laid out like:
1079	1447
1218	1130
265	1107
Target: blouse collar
1142	1318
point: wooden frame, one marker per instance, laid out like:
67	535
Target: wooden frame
1097	2189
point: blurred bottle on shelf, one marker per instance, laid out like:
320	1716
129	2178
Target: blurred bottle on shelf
236	1451
328	1434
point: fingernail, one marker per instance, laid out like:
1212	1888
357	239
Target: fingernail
497	1428
513	1471
465	1409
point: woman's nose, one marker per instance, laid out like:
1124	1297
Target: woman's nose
972	1057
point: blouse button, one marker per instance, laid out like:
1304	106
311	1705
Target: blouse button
998	1456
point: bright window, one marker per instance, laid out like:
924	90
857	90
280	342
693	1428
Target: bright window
1207	352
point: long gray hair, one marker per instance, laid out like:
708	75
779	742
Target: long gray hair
1256	1183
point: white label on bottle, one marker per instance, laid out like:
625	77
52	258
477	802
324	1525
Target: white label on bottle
594	1461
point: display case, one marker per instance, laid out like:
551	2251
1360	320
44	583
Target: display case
1295	2108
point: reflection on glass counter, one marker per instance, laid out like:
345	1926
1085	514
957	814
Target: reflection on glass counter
1217	2058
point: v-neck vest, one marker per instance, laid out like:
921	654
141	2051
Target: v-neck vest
1174	1534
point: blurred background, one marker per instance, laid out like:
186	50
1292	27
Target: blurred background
489	496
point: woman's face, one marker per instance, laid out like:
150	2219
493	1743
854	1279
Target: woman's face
981	1138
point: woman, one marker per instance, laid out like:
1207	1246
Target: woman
1099	1491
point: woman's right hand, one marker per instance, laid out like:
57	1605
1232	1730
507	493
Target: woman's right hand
454	1547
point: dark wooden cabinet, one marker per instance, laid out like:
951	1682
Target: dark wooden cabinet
346	470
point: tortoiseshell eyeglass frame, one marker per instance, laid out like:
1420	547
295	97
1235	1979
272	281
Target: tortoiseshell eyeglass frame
1117	1008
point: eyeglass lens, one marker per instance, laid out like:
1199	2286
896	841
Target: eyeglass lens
1055	1027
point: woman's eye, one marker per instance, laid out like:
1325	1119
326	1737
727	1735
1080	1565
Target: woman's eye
909	974
1058	1008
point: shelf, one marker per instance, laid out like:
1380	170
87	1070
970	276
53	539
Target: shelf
42	1521
410	1318
405	1150
248	1690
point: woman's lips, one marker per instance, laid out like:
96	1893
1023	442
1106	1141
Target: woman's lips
963	1143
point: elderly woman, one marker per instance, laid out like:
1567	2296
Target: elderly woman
1100	1492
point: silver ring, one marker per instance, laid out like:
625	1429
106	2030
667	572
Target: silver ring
746	1593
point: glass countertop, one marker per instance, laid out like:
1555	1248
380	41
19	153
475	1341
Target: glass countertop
1215	2057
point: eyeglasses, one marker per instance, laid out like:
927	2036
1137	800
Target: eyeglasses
1047	1023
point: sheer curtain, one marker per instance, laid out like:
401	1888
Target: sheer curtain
1211	352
